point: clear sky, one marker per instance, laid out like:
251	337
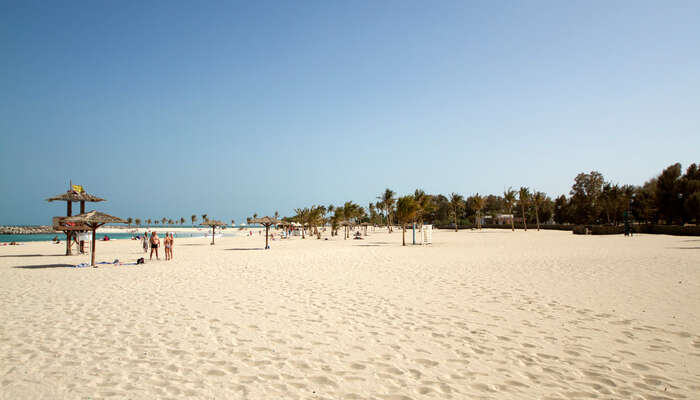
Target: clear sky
173	108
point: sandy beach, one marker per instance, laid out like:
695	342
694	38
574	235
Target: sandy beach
486	314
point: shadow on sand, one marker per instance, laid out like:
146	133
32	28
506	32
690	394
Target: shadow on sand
32	255
245	248
687	248
44	266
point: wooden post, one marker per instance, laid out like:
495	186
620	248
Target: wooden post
69	234
213	231
94	228
267	229
82	242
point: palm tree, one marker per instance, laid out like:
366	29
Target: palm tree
137	221
456	202
538	198
524	200
193	218
302	215
171	222
205	218
425	204
336	219
314	219
163	220
406	209
479	204
182	220
129	221
148	221
509	200
388	200
233	223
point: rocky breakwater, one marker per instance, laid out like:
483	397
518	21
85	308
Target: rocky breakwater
25	230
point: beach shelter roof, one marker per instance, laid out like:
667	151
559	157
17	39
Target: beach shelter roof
265	221
94	218
75	196
285	223
213	223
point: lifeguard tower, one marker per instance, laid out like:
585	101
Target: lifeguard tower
76	194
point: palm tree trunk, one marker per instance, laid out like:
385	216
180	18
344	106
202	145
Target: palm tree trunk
512	220
524	218
404	233
537	217
456	229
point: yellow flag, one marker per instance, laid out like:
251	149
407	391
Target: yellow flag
78	188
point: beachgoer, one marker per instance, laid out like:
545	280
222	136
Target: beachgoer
172	242
144	242
166	241
155	241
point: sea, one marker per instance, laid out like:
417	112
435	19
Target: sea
47	237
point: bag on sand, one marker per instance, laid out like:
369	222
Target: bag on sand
140	261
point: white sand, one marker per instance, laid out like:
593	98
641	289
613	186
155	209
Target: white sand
490	314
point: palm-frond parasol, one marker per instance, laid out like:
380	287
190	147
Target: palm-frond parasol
213	223
69	197
94	220
266	222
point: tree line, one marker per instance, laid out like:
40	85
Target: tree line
673	197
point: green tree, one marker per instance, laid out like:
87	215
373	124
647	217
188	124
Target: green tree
524	201
561	210
137	221
129	221
585	197
205	218
509	201
388	199
478	202
406	208
193	218
538	199
456	203
302	214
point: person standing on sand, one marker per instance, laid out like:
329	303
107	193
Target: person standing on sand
172	241
168	245
155	241
144	242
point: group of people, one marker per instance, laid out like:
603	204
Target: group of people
153	242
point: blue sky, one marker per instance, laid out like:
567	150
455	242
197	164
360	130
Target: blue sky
173	108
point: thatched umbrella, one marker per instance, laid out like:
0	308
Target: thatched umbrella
69	197
94	220
365	224
213	223
266	222
347	225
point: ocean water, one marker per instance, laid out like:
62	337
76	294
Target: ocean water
47	237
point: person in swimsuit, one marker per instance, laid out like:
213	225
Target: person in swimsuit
166	241
155	241
144	243
172	242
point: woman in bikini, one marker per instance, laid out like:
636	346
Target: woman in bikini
172	242
167	246
155	241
